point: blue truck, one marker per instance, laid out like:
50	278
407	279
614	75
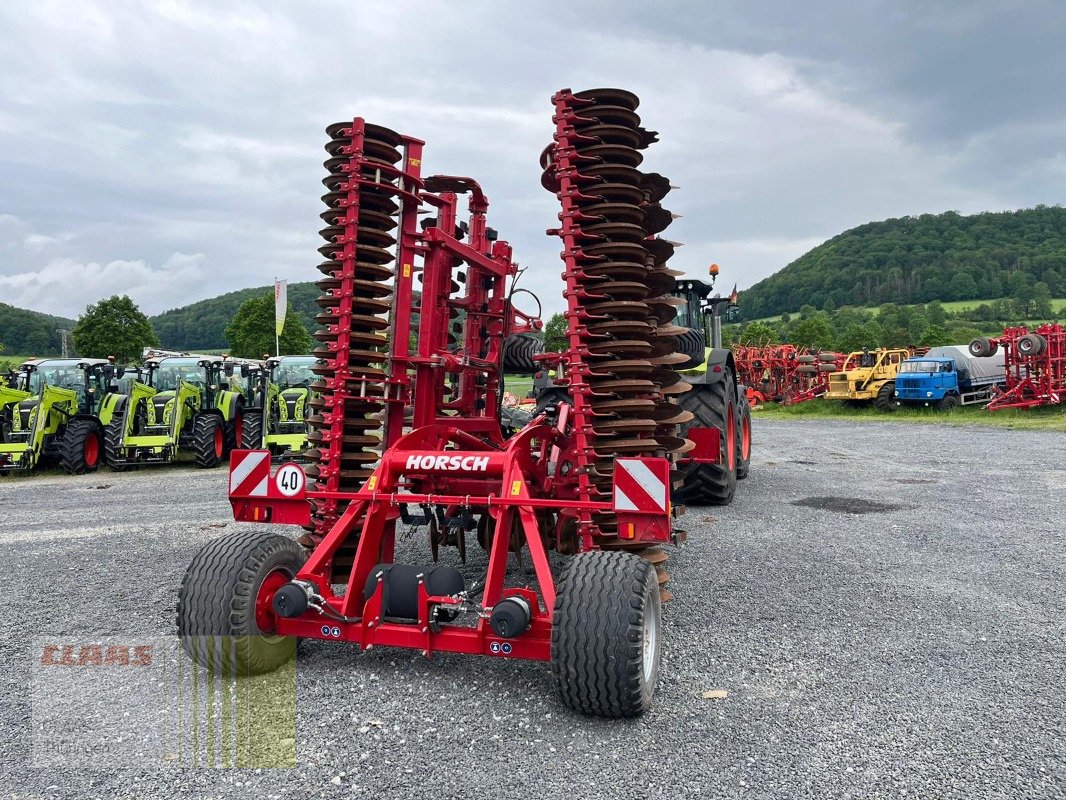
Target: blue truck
949	376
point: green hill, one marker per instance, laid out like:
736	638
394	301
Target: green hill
933	257
24	331
201	325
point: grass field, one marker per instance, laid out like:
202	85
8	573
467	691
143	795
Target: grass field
952	307
1051	418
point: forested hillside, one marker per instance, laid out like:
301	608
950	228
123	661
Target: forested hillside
932	257
30	332
201	326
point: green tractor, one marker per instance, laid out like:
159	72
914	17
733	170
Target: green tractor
56	412
717	401
282	401
180	403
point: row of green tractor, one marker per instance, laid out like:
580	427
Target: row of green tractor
80	413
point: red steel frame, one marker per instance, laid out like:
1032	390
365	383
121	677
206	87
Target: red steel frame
1032	380
772	373
510	480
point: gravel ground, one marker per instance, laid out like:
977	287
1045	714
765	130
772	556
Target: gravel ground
897	633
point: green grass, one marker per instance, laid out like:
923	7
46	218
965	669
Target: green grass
952	307
1050	418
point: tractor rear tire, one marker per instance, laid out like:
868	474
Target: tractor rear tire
225	612
692	344
743	434
113	453
605	634
209	440
518	352
886	397
82	447
252	432
713	405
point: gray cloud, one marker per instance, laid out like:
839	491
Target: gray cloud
173	150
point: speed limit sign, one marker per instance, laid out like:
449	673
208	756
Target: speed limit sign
290	480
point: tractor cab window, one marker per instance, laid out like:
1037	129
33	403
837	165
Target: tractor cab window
688	315
62	376
175	370
295	373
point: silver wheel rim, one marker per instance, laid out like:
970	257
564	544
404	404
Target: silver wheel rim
651	641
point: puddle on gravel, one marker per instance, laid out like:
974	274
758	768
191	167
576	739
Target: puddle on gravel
914	480
848	505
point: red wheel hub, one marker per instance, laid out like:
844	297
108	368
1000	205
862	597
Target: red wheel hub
238	428
264	601
91	454
745	439
731	438
219	442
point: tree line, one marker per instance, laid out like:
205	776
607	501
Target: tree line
918	260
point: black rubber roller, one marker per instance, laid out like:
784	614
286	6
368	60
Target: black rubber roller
511	616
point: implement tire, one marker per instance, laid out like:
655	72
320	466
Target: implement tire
518	352
82	447
209	440
886	397
225	613
714	406
605	634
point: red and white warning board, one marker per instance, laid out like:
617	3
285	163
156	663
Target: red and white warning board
249	473
642	498
641	485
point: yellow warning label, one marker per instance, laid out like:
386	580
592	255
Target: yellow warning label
407	270
370	484
516	487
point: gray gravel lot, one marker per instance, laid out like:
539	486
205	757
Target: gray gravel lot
916	650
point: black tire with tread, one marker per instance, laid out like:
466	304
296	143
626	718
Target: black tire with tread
252	432
203	440
948	402
113	452
886	397
72	446
216	603
597	646
518	352
693	344
708	484
743	413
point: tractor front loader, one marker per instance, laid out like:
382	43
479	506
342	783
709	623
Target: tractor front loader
56	414
409	428
277	419
183	404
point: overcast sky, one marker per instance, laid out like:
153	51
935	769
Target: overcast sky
172	150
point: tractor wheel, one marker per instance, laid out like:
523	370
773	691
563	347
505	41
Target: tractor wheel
209	440
81	448
713	406
113	453
983	348
605	634
948	402
252	432
225	604
518	352
743	435
886	397
1032	344
693	344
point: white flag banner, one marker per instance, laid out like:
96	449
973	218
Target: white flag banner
281	303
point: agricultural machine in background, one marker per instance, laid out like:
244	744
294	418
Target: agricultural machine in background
278	407
868	376
1035	363
783	373
183	403
412	431
949	376
56	413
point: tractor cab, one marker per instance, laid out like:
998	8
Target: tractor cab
88	378
283	405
